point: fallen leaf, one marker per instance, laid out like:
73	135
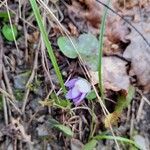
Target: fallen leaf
86	14
138	52
33	38
114	74
122	4
117	31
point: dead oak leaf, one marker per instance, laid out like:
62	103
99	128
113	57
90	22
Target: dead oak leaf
138	52
114	74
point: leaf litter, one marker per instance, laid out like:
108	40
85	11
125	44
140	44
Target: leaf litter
138	52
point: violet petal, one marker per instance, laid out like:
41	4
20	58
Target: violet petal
70	83
80	99
69	94
77	98
75	93
83	85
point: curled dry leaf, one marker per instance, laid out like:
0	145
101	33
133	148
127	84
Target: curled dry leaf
138	52
114	74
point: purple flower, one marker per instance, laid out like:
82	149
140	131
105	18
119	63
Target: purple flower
78	88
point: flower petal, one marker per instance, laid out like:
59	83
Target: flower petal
69	94
78	101
70	83
83	85
75	93
77	98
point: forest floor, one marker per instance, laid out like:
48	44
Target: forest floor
35	114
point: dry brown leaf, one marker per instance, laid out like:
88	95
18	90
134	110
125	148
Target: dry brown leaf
116	31
125	4
73	30
33	38
86	14
138	52
114	74
129	4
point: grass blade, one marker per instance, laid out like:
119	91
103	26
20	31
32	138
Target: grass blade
118	138
47	43
102	31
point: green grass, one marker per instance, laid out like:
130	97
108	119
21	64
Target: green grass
118	138
100	69
47	43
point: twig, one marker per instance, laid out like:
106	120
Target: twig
5	93
25	99
4	105
25	34
1	56
132	121
139	112
10	91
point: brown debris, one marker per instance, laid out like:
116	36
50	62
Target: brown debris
16	130
138	52
114	74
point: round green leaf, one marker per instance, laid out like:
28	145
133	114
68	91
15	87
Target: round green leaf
91	62
88	44
66	47
7	32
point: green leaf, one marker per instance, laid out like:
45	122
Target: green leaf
4	16
66	47
91	62
118	138
88	45
63	104
124	101
91	95
52	122
88	49
66	130
60	103
90	145
8	33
